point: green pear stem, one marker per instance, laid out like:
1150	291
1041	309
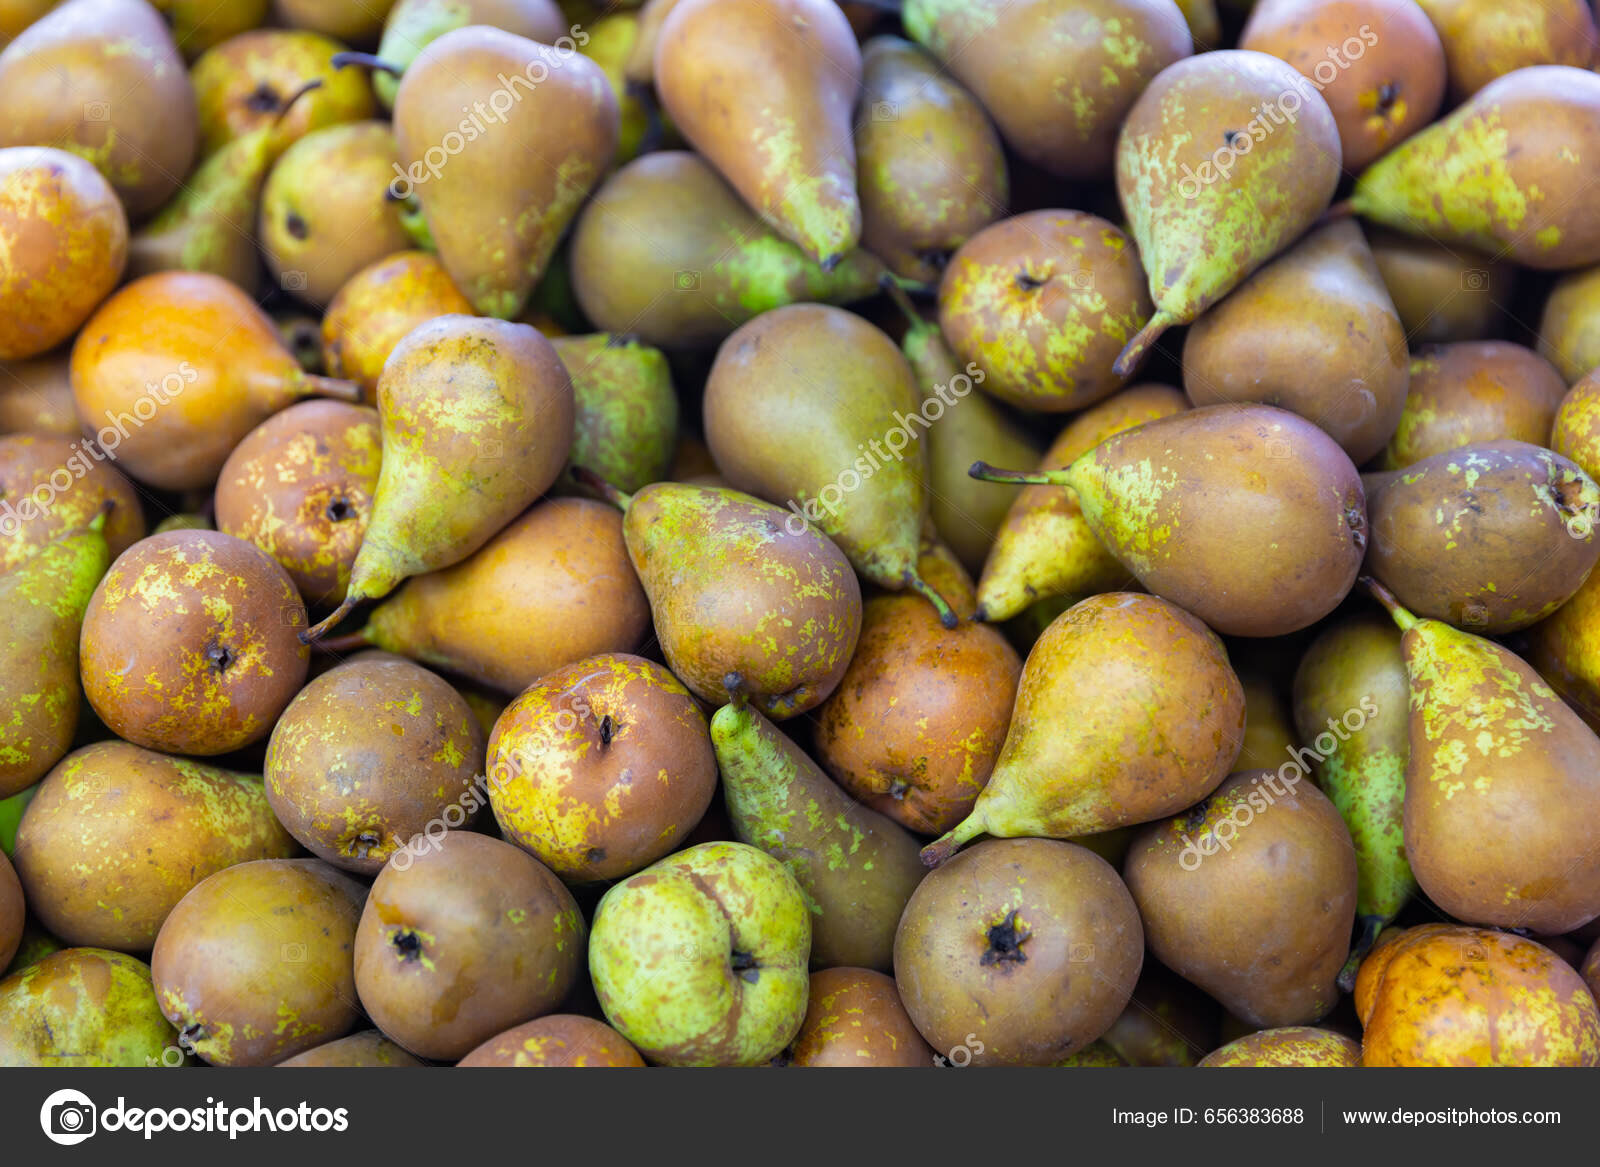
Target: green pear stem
320	629
321	386
1370	927
365	61
1133	352
585	477
949	843
1384	596
987	473
898	297
923	588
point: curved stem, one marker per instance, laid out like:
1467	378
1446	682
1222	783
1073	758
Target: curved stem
1370	927
1384	596
366	61
349	642
1134	351
288	103
585	477
320	629
333	387
987	473
923	588
949	843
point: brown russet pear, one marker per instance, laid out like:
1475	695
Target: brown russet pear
1493	537
1314	332
1269	733
855	1018
1206	208
375	309
1058	75
766	92
175	368
36	397
1168	1022
35	511
1045	547
1502	780
806	400
1485	39
1569	328
1279	556
1251	894
557	1040
1442	294
1127	710
476	416
367	1049
498	206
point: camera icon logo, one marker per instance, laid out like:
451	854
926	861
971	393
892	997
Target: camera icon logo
1475	280
292	953
1474	615
293	281
686	281
97	111
1278	448
884	111
68	1117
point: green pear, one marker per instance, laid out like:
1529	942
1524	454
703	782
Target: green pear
1223	162
626	426
476	417
42	604
412	25
82	1007
856	867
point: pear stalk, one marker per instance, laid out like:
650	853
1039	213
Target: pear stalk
987	473
1134	351
1384	596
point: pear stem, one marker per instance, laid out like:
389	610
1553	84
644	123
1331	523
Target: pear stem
1133	352
585	477
366	61
949	843
897	296
101	514
317	631
321	386
349	642
987	473
1384	596
923	588
288	104
1370	927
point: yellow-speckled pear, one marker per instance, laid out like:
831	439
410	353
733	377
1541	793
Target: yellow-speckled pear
1127	711
1502	784
42	602
1511	173
477	420
1223	161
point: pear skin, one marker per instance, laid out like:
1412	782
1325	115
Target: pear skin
375	309
199	24
36	397
856	867
82	1007
412	25
1569	328
626	426
1442	294
1127	711
37	512
42	603
1575	434
1268	726
1290	1045
1486	39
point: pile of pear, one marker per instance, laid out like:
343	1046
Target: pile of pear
713	532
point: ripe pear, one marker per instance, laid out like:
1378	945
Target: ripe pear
352	21
42	603
1350	695
412	25
1127	710
118	835
36	397
103	80
197	25
1474	391
1565	648
367	1049
856	867
932	171
375	309
175	368
854	1018
1046	548
82	1008
16	15
1058	76
1217	174
34	512
1168	1022
626	425
1442	293
1250	894
804	399
67	243
1576	431
1269	734
249	81
1043	302
477	422
555	586
765	93
1569	329
1290	1046
1505	173
1494	536
13	912
1314	332
498	205
1377	63
1280	556
1486	39
1500	776
557	1040
609	42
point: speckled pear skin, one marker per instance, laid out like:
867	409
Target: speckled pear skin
1502	778
377	307
1201	231
27	461
1575	433
42	604
368	1049
498	207
117	835
1506	173
766	92
855	1018
857	867
700	959
83	1008
738	586
1291	1045
626	427
561	1039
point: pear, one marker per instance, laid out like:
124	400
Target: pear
34	510
1505	173
1127	711
498	202
665	251
1442	293
375	309
1350	696
1501	780
1250	894
1494	536
1486	39
1046	548
808	399
856	867
42	603
103	80
36	397
746	598
1569	329
412	25
175	368
932	169
210	225
1280	555
197	25
1313	332
1223	161
1058	75
82	1007
1269	735
1575	433
609	42
627	410
476	416
1289	1046
765	92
